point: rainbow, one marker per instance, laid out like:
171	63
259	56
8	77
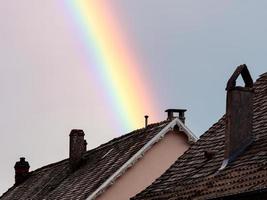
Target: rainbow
112	59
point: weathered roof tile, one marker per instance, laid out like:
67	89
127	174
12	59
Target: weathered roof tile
194	177
55	181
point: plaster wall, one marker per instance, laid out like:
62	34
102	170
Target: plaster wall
155	162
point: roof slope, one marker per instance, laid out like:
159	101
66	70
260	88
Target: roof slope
192	176
55	181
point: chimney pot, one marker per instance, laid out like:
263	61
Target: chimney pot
181	116
239	113
77	148
21	171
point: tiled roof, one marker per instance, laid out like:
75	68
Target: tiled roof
193	176
56	181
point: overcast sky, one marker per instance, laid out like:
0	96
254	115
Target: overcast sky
190	49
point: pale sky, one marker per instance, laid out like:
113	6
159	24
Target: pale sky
190	49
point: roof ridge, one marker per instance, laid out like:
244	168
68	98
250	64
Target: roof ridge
49	165
98	147
124	136
263	75
213	126
35	171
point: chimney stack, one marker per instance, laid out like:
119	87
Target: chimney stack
77	148
146	120
21	171
181	116
239	113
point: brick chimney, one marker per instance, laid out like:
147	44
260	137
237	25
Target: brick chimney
239	113
171	116
21	171
77	148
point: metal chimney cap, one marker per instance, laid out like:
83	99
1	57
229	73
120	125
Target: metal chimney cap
172	111
176	110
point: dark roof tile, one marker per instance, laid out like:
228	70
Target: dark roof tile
194	177
55	181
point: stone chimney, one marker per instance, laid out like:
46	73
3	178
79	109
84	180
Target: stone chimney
77	148
239	113
171	116
21	171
